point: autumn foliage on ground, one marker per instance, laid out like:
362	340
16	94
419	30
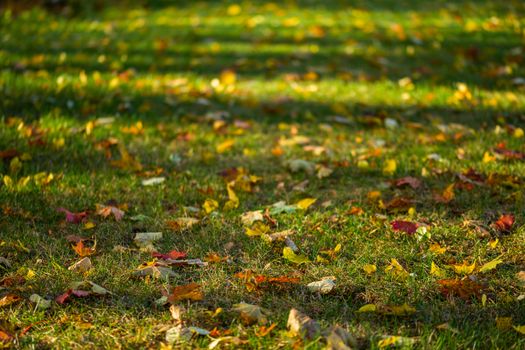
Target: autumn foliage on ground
341	175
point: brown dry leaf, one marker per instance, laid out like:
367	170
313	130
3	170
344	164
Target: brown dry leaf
251	314
9	299
190	291
82	265
182	223
464	288
338	338
302	325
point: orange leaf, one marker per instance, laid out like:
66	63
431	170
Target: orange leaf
190	291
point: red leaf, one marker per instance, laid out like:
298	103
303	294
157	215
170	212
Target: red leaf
405	226
408	180
62	298
174	255
504	223
74	218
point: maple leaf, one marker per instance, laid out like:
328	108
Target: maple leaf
107	210
74	218
82	250
405	226
464	268
174	254
190	291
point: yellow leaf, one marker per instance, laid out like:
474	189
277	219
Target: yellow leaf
367	308
233	201
390	167
225	146
234	10
369	268
305	203
518	132
258	229
396	269
436	270
210	205
289	255
401	310
491	265
464	269
89	127
8	182
228	77
437	249
89	225
503	323
493	243
487	157
520	329
321	260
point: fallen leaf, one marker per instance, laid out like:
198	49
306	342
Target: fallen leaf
74	218
107	210
174	254
437	271
367	308
81	266
264	331
9	299
504	223
396	269
369	268
190	291
250	217
233	200
225	146
390	167
82	250
338	338
210	205
324	286
303	204
401	310
289	255
181	223
144	240
153	181
491	265
519	329
301	325
396	341
405	226
464	288
464	268
408	180
40	302
250	314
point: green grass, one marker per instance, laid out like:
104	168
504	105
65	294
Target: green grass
162	65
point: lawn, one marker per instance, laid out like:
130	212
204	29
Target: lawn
177	175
